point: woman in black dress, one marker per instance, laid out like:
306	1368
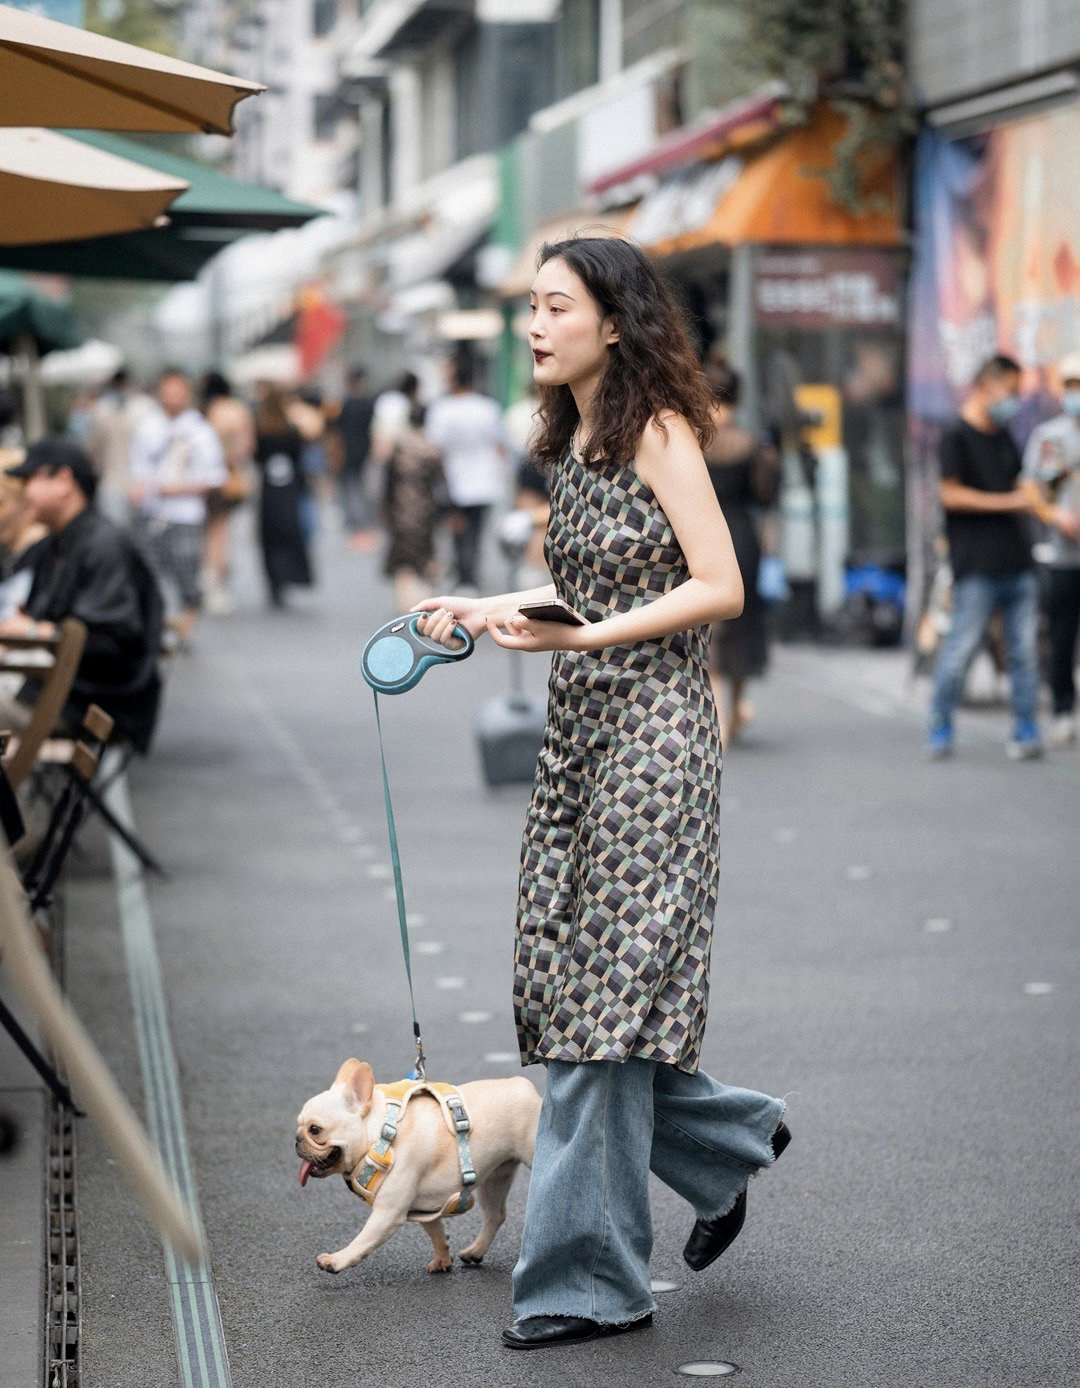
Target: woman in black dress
745	477
279	458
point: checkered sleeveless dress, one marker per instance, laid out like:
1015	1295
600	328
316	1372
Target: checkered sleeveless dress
620	855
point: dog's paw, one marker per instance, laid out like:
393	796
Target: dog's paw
327	1263
444	1263
471	1260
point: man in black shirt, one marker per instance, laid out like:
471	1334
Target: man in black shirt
90	569
986	511
353	425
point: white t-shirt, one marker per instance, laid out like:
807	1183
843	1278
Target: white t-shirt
1053	450
167	451
467	430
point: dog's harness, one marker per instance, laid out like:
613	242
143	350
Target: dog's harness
369	1173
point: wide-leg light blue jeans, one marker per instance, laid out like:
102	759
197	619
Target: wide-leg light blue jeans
603	1126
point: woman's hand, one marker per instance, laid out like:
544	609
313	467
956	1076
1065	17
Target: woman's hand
525	634
448	612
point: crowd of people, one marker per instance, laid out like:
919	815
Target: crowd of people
995	499
167	470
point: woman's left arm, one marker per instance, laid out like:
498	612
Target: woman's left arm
670	463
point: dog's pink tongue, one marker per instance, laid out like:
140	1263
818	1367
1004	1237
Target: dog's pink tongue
305	1172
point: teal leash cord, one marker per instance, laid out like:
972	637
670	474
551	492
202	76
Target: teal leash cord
399	888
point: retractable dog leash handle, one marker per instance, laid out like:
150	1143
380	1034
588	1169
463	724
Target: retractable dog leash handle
398	656
395	659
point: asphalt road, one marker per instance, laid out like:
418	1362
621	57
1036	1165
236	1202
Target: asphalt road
880	927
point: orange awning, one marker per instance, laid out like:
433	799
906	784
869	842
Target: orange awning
779	197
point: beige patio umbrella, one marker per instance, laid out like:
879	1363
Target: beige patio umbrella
53	188
56	75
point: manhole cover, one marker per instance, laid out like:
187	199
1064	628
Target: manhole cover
708	1368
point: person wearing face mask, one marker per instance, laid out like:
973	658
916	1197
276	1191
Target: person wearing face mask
986	508
1052	463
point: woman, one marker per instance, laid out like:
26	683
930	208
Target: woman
413	481
231	420
620	856
279	456
745	477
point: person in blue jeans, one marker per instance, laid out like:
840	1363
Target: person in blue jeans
986	524
620	858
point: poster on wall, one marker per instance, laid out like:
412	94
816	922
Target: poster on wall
997	263
996	269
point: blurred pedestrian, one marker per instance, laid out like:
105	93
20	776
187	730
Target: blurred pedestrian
308	411
119	409
353	428
620	859
466	428
746	478
1052	463
531	491
414	489
986	523
280	440
390	419
231	420
176	462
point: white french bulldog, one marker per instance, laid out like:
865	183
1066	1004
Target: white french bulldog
336	1129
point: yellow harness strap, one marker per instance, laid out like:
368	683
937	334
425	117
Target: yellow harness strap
368	1175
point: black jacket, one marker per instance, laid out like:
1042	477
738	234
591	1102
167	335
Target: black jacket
94	571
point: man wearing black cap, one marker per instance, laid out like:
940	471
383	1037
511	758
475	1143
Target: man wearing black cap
90	569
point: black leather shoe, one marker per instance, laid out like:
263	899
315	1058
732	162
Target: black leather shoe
548	1332
711	1237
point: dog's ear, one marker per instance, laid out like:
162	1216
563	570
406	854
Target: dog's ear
358	1080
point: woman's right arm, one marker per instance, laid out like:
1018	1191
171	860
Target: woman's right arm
473	613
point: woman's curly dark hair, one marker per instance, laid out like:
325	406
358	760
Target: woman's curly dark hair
652	367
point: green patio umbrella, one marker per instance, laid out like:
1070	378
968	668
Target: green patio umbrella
31	324
27	312
214	211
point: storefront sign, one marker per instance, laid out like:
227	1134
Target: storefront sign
816	290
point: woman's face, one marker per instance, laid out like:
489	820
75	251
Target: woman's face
570	340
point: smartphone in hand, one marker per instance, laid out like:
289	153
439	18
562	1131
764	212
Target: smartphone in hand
554	610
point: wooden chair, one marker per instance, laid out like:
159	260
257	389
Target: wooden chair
79	758
38	746
66	649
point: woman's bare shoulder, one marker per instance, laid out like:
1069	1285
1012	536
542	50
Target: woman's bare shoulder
666	439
